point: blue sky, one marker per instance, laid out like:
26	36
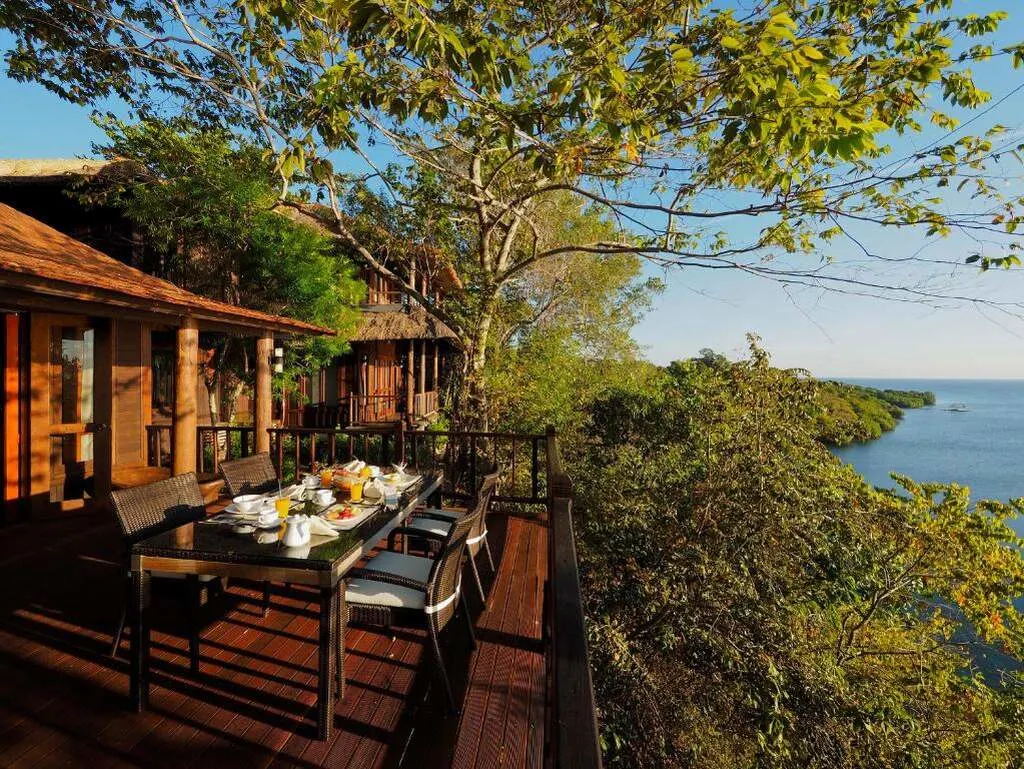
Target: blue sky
830	334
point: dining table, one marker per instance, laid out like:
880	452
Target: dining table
205	548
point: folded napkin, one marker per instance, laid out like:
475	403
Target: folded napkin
354	466
318	527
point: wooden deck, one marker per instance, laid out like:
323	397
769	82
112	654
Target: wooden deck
63	700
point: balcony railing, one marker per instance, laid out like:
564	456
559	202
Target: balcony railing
297	449
425	404
214	444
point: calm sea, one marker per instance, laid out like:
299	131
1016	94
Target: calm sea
979	448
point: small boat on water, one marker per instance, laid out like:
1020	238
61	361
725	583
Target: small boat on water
957	407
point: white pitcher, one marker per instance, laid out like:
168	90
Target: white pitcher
296	533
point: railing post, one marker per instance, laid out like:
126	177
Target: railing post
280	455
400	443
550	455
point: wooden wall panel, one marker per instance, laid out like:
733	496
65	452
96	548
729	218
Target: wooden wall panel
11	412
39	411
128	386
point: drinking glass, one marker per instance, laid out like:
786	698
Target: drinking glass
355	491
282	506
326	476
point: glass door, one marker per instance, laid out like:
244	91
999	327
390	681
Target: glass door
72	411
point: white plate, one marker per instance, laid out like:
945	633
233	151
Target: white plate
361	514
233	510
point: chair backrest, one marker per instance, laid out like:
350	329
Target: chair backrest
481	507
446	574
143	511
254	474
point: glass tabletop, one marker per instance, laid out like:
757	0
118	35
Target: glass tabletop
220	543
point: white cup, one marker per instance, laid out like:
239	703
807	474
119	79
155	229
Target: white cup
324	497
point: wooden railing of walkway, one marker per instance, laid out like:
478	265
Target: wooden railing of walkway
574	737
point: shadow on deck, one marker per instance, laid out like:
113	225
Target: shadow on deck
63	700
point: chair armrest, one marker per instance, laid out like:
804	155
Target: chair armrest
385	576
412	532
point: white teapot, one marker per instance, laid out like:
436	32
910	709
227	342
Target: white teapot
296	533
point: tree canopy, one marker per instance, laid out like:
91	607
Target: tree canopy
680	120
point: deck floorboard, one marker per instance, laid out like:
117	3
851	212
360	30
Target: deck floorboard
63	699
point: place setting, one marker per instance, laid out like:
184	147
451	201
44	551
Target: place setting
324	502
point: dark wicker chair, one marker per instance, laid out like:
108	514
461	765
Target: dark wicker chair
439	521
250	475
254	474
397	590
144	511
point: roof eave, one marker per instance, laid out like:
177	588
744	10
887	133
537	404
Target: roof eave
157	307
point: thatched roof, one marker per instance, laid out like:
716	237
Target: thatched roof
414	323
31	169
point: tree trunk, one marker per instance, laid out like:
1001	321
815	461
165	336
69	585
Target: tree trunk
470	409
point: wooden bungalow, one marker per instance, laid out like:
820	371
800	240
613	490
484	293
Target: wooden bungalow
394	371
76	330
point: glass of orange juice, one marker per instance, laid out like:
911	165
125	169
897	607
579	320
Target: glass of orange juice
326	476
282	506
355	491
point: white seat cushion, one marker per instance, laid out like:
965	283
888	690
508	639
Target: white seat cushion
451	515
409	566
369	591
176	575
427	524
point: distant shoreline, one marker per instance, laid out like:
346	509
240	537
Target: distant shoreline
856	413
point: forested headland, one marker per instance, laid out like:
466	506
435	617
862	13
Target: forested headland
852	413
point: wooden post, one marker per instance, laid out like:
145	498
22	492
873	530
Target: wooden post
399	445
186	366
261	404
103	407
410	380
437	355
553	462
423	366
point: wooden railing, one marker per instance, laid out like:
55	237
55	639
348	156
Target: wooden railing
214	444
572	711
158	445
363	409
377	297
521	458
367	409
219	443
426	403
297	449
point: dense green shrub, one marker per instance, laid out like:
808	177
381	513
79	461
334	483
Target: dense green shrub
752	602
